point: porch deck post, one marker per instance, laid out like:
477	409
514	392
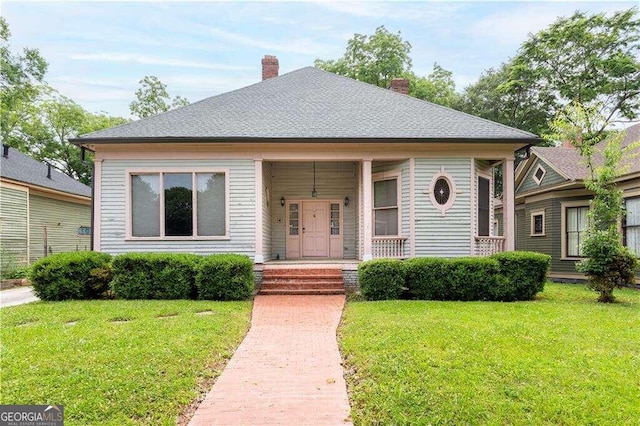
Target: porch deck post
259	256
366	209
508	206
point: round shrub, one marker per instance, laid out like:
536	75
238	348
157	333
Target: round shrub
225	277
381	279
154	275
76	275
524	275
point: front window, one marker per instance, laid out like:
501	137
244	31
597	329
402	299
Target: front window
631	225
385	207
576	228
178	204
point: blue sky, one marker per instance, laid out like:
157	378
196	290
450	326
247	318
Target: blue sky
98	51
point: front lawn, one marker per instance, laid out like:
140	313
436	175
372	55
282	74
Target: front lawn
561	359
117	362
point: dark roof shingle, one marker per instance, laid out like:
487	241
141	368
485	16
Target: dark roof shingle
22	168
311	103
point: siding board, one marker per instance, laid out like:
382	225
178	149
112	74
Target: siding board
13	226
551	177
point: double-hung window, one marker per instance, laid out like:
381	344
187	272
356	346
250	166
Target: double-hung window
576	227
178	204
631	225
385	206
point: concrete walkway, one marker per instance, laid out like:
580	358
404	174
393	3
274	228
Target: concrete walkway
287	369
17	296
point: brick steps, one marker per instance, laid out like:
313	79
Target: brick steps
302	281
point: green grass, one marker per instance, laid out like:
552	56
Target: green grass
561	359
117	362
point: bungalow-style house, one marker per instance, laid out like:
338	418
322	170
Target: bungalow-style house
307	166
42	210
552	204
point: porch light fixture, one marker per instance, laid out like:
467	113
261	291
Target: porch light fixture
347	201
314	193
282	201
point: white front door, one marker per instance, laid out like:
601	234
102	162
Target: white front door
315	229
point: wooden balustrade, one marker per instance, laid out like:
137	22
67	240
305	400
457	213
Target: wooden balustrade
388	247
486	246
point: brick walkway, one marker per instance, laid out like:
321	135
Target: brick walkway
287	369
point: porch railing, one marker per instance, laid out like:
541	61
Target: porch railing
392	247
486	246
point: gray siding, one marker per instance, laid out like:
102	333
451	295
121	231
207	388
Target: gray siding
334	180
560	266
541	244
267	208
521	230
447	236
61	220
550	178
241	208
13	227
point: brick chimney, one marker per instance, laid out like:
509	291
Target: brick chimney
400	85
567	144
269	67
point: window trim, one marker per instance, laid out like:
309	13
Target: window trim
563	226
623	223
379	177
535	178
544	223
160	171
452	191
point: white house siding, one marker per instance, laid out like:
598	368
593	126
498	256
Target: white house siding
334	181
447	236
241	208
61	220
13	226
267	207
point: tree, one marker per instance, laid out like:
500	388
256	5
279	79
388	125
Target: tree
522	107
608	263
374	59
588	59
152	98
21	82
50	125
438	87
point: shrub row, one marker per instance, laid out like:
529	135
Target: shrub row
91	275
505	276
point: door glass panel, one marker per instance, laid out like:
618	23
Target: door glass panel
293	219
335	219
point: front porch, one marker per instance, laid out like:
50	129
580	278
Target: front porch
320	212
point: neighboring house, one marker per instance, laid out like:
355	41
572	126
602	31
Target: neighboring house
552	204
308	165
42	210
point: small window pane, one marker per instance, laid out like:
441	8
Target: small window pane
211	204
145	205
538	224
385	193
633	212
386	222
178	204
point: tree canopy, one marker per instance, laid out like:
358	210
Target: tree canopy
152	98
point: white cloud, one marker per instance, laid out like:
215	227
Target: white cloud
427	12
153	60
303	46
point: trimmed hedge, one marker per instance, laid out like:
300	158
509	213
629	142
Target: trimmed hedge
463	278
76	275
504	277
225	277
525	274
154	275
381	279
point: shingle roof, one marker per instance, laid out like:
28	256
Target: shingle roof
312	103
22	168
569	163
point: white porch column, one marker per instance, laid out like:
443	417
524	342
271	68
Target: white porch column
508	205
259	256
366	209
